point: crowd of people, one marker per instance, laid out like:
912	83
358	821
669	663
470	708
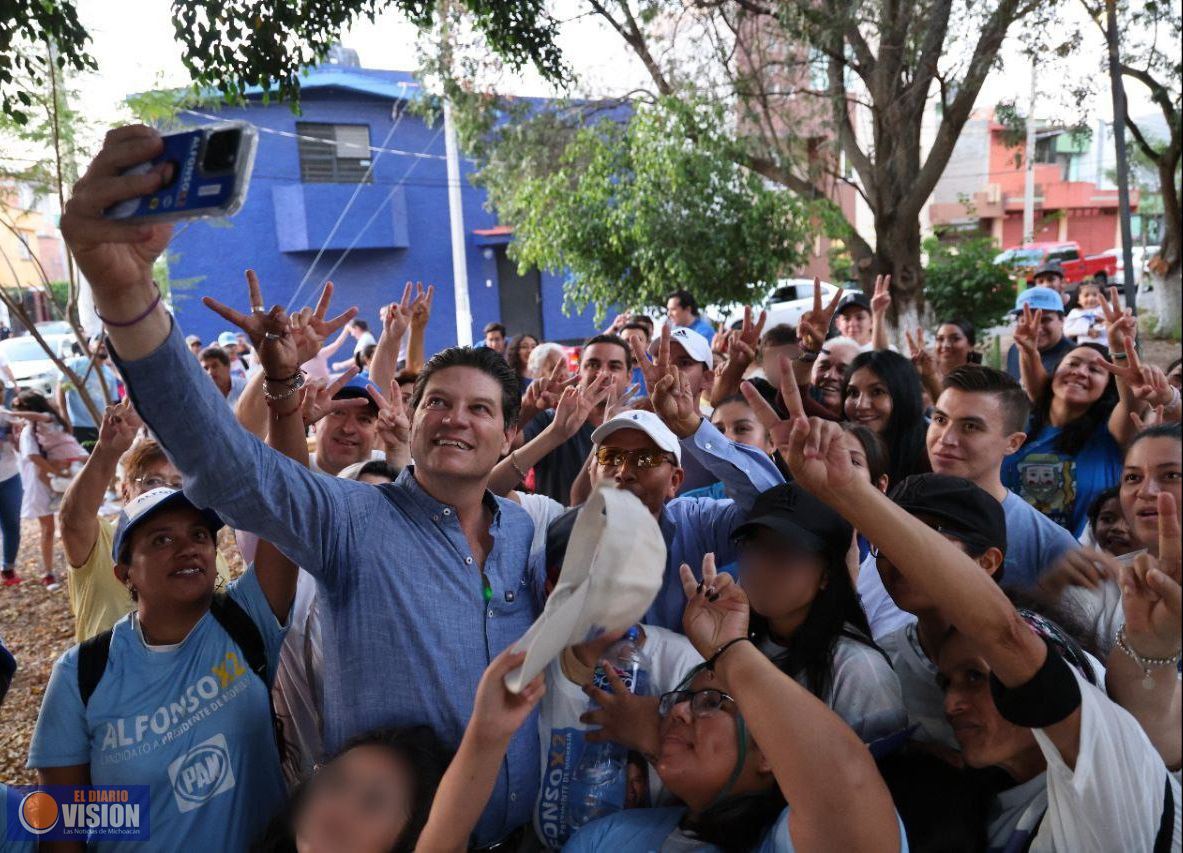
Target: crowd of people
907	601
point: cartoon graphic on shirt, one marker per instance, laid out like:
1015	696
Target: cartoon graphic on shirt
1047	481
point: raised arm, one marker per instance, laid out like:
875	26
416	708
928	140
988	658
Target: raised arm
420	315
329	350
1032	375
465	789
1134	674
838	799
384	364
880	302
924	363
741	352
82	500
1140	387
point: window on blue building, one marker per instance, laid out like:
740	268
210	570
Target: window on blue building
334	153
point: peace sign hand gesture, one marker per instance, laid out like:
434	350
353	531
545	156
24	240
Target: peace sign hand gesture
394	426
421	306
1120	323
1147	383
881	300
120	426
674	402
398	314
814	325
717	609
1026	332
653	369
921	355
318	399
1151	591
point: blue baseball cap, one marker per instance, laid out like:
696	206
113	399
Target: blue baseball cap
227	339
1040	299
139	509
358	386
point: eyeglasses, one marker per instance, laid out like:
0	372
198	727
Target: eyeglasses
703	703
612	457
155	481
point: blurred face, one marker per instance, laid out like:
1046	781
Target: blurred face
346	437
495	341
868	402
967	436
828	371
696	372
1080	379
986	739
602	358
770	360
195	347
218	372
1111	530
738	422
639	335
360	801
100	349
1050	280
678	313
858	459
549	363
459	427
406	390
162	473
953	347
781	581
1175	376
171	563
654	486
1152	466
855	322
1051	330
1089	296
524	349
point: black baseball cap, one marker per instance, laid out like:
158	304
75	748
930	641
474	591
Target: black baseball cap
1049	268
853	297
965	511
799	517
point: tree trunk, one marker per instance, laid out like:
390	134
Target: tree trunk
897	253
1166	270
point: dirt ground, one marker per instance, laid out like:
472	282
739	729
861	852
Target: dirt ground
37	627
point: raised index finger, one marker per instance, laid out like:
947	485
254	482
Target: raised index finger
252	285
1170	548
789	390
226	312
764	412
817	294
322	304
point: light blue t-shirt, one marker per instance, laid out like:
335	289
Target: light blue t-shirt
1059	485
79	414
648	830
1033	542
192	722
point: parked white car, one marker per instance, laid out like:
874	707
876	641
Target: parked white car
30	364
791	298
1141	258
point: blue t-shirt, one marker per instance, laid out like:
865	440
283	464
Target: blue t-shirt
1061	486
703	327
646	830
1033	542
79	414
192	722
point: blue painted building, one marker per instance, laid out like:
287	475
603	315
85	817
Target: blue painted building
308	169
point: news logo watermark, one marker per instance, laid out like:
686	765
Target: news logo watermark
78	813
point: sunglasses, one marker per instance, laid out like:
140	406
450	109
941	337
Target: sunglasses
612	457
703	703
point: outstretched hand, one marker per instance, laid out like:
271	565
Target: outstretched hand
881	300
717	609
496	712
421	306
675	402
1026	332
1147	383
120	426
1120	323
814	325
653	369
394	425
922	357
1151	590
318	399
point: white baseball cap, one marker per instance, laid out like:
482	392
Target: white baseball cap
696	346
646	422
611	573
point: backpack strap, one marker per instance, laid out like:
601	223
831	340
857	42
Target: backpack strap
245	633
92	663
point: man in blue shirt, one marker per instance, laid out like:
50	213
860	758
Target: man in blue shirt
421	582
1051	343
683	311
69	399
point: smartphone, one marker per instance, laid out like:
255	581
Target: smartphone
211	172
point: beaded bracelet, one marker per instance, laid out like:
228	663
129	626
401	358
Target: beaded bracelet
1144	663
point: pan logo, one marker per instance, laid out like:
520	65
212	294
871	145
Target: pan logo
201	773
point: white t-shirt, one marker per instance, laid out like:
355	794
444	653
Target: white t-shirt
923	698
670	657
1111	801
864	691
1100	609
542	511
298	691
882	614
375	456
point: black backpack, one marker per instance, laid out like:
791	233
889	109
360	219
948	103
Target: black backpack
93	654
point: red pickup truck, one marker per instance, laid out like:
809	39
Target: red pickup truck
1029	257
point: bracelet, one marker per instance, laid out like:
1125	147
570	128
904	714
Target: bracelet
808	356
513	461
719	651
122	324
1118	355
294	383
1144	663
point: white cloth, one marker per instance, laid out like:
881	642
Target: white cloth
375	456
669	656
298	692
923	697
542	511
882	613
1111	800
37	500
1100	609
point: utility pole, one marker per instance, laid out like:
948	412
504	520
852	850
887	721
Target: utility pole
1123	167
1029	188
455	202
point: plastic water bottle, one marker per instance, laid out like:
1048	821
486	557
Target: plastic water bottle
600	776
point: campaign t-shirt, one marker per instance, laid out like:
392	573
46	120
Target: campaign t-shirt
1112	799
1033	542
656	831
190	721
1059	485
670	657
97	599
